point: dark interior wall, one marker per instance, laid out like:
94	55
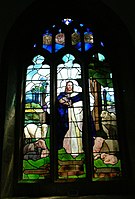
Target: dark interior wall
17	35
11	10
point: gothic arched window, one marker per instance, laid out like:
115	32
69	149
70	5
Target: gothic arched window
70	130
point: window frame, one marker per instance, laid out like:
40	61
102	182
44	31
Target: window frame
65	190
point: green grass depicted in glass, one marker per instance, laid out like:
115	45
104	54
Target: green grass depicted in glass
104	172
69	167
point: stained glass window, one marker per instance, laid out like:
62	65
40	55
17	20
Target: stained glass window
83	139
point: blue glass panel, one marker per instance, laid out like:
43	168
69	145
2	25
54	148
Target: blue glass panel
58	47
78	46
88	40
48	47
67	21
88	46
102	44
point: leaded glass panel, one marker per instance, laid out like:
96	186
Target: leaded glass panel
36	143
71	157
